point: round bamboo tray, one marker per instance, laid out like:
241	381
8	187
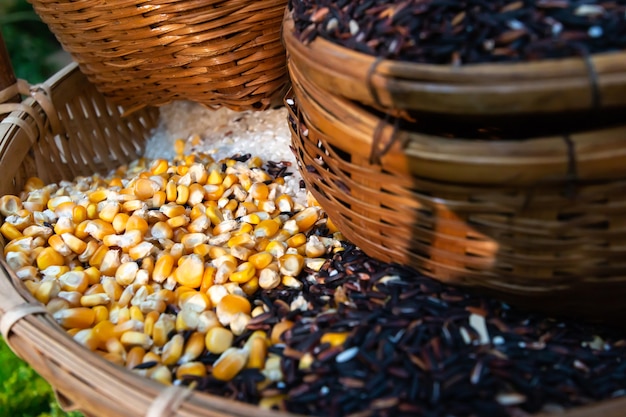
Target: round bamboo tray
137	53
538	222
546	87
56	134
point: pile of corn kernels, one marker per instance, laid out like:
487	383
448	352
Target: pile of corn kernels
158	263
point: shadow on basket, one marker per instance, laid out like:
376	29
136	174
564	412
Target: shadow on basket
536	222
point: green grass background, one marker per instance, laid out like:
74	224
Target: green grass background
23	393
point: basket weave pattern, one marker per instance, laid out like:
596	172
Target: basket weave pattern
547	243
138	53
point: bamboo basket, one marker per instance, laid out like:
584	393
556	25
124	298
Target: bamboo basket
538	222
137	53
66	128
547	87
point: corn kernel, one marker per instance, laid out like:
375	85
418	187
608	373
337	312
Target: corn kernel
218	340
75	318
229	364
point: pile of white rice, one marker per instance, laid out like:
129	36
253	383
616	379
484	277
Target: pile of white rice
224	133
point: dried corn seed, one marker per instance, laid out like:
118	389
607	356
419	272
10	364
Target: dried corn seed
229	364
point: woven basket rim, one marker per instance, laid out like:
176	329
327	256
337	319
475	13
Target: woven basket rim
482	89
597	153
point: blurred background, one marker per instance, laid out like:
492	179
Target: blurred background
35	55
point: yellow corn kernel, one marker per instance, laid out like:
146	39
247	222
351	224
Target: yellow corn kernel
151	357
190	272
141	251
170	191
56	243
173	350
260	260
258	352
158	199
17	260
95	289
136	314
244	273
135	356
87	338
101	312
159	166
218	340
144	188
334	338
229	364
93	275
243	239
99	228
196	369
314	247
178	221
230	305
229	181
92	300
276	249
215	177
92	211
191	240
306	218
110	262
137	223
195	300
284	203
47	290
266	228
269	278
202	250
224	270
296	240
79	230
33	183
193	348
75	244
241	252
9	231
261	244
119	222
74	281
48	257
65	209
291	264
259	191
216	252
132	206
215	215
109	210
98	195
75	318
163	267
161	230
126	272
79	214
132	339
104	330
251	286
208	278
278	330
196	194
111	288
57	304
149	322
162	328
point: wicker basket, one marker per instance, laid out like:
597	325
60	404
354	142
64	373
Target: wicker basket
137	53
58	133
539	222
548	87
